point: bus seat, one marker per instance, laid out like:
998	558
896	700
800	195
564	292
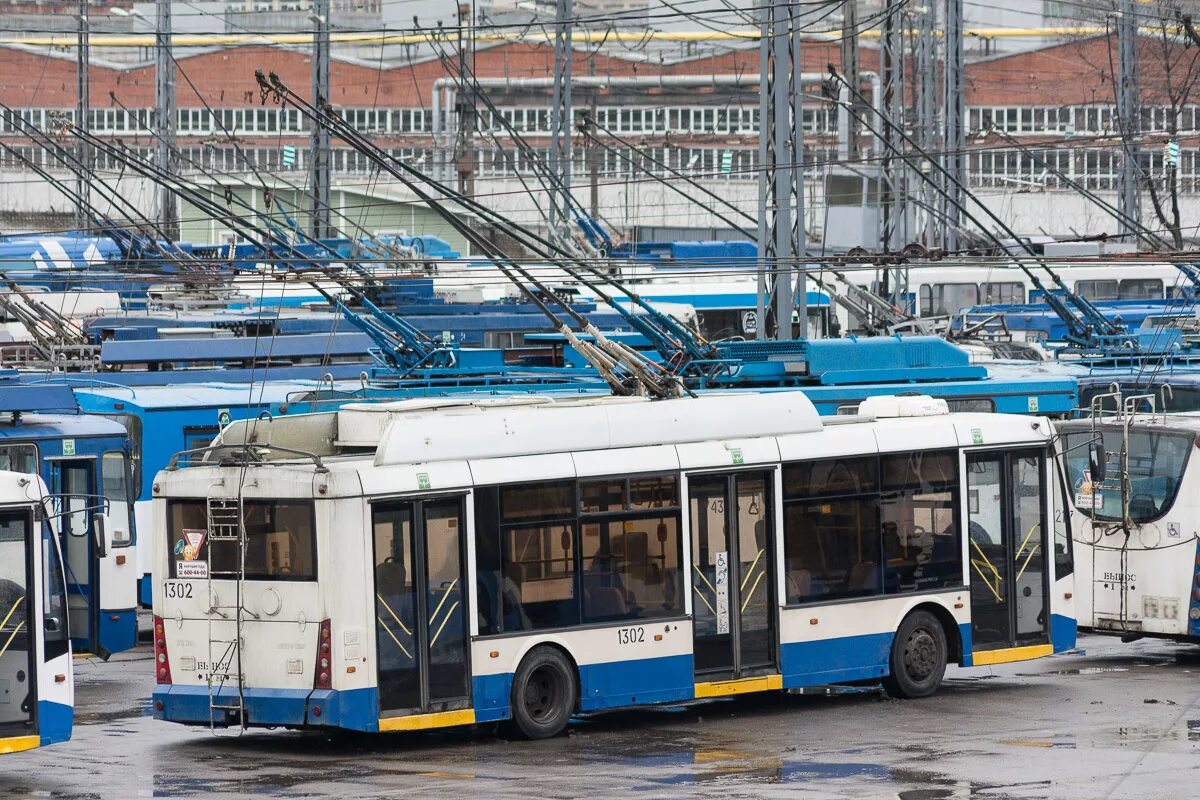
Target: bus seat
800	582
389	578
865	575
605	601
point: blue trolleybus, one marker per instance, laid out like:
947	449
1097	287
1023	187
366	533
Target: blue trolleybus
434	563
35	651
85	460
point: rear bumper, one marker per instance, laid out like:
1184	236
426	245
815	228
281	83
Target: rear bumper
270	708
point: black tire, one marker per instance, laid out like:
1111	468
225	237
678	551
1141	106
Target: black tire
544	693
918	659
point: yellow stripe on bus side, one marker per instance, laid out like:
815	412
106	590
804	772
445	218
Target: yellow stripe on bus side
17	744
762	683
421	722
982	658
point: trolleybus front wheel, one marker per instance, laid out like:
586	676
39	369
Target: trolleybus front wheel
918	659
543	694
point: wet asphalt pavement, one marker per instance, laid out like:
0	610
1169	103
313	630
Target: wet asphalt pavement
1110	721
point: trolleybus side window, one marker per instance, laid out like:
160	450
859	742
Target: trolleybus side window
545	561
114	476
280	541
947	298
54	598
630	548
921	544
1006	292
536	533
831	529
1098	290
1141	289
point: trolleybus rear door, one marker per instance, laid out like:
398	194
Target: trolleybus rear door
1007	549
420	604
732	574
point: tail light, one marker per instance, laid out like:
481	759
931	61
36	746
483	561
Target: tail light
323	674
162	664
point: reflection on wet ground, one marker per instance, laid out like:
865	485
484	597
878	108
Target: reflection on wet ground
1128	714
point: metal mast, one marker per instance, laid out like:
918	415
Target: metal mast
560	121
850	68
894	234
465	145
1129	199
955	124
164	114
319	168
781	243
82	106
926	116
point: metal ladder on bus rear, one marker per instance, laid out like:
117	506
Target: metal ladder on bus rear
226	524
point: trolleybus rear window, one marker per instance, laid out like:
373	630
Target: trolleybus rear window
280	541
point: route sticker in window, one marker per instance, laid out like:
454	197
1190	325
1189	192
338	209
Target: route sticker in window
1086	495
188	550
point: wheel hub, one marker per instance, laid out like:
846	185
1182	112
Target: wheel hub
920	653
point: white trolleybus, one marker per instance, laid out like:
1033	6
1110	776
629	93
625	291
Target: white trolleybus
36	687
438	563
1136	495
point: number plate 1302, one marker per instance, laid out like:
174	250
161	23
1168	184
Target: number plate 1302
631	635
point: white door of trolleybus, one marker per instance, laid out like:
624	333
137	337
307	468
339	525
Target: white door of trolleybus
420	606
732	574
1007	531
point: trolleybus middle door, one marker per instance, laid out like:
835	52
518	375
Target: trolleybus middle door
18	664
732	574
1007	549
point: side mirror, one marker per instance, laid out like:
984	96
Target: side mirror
100	524
1097	461
52	624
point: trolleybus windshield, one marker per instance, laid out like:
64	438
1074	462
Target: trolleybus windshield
1156	462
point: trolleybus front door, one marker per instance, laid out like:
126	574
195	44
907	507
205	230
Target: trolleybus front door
18	676
420	606
1007	549
732	574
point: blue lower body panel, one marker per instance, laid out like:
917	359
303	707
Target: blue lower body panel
356	709
630	683
848	658
118	629
613	685
54	722
145	591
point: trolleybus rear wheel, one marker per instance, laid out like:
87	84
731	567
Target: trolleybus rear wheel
543	693
918	659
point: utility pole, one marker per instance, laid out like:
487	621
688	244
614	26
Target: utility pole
465	145
894	234
560	121
164	114
593	160
927	64
850	69
781	245
82	107
955	123
319	167
1129	111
